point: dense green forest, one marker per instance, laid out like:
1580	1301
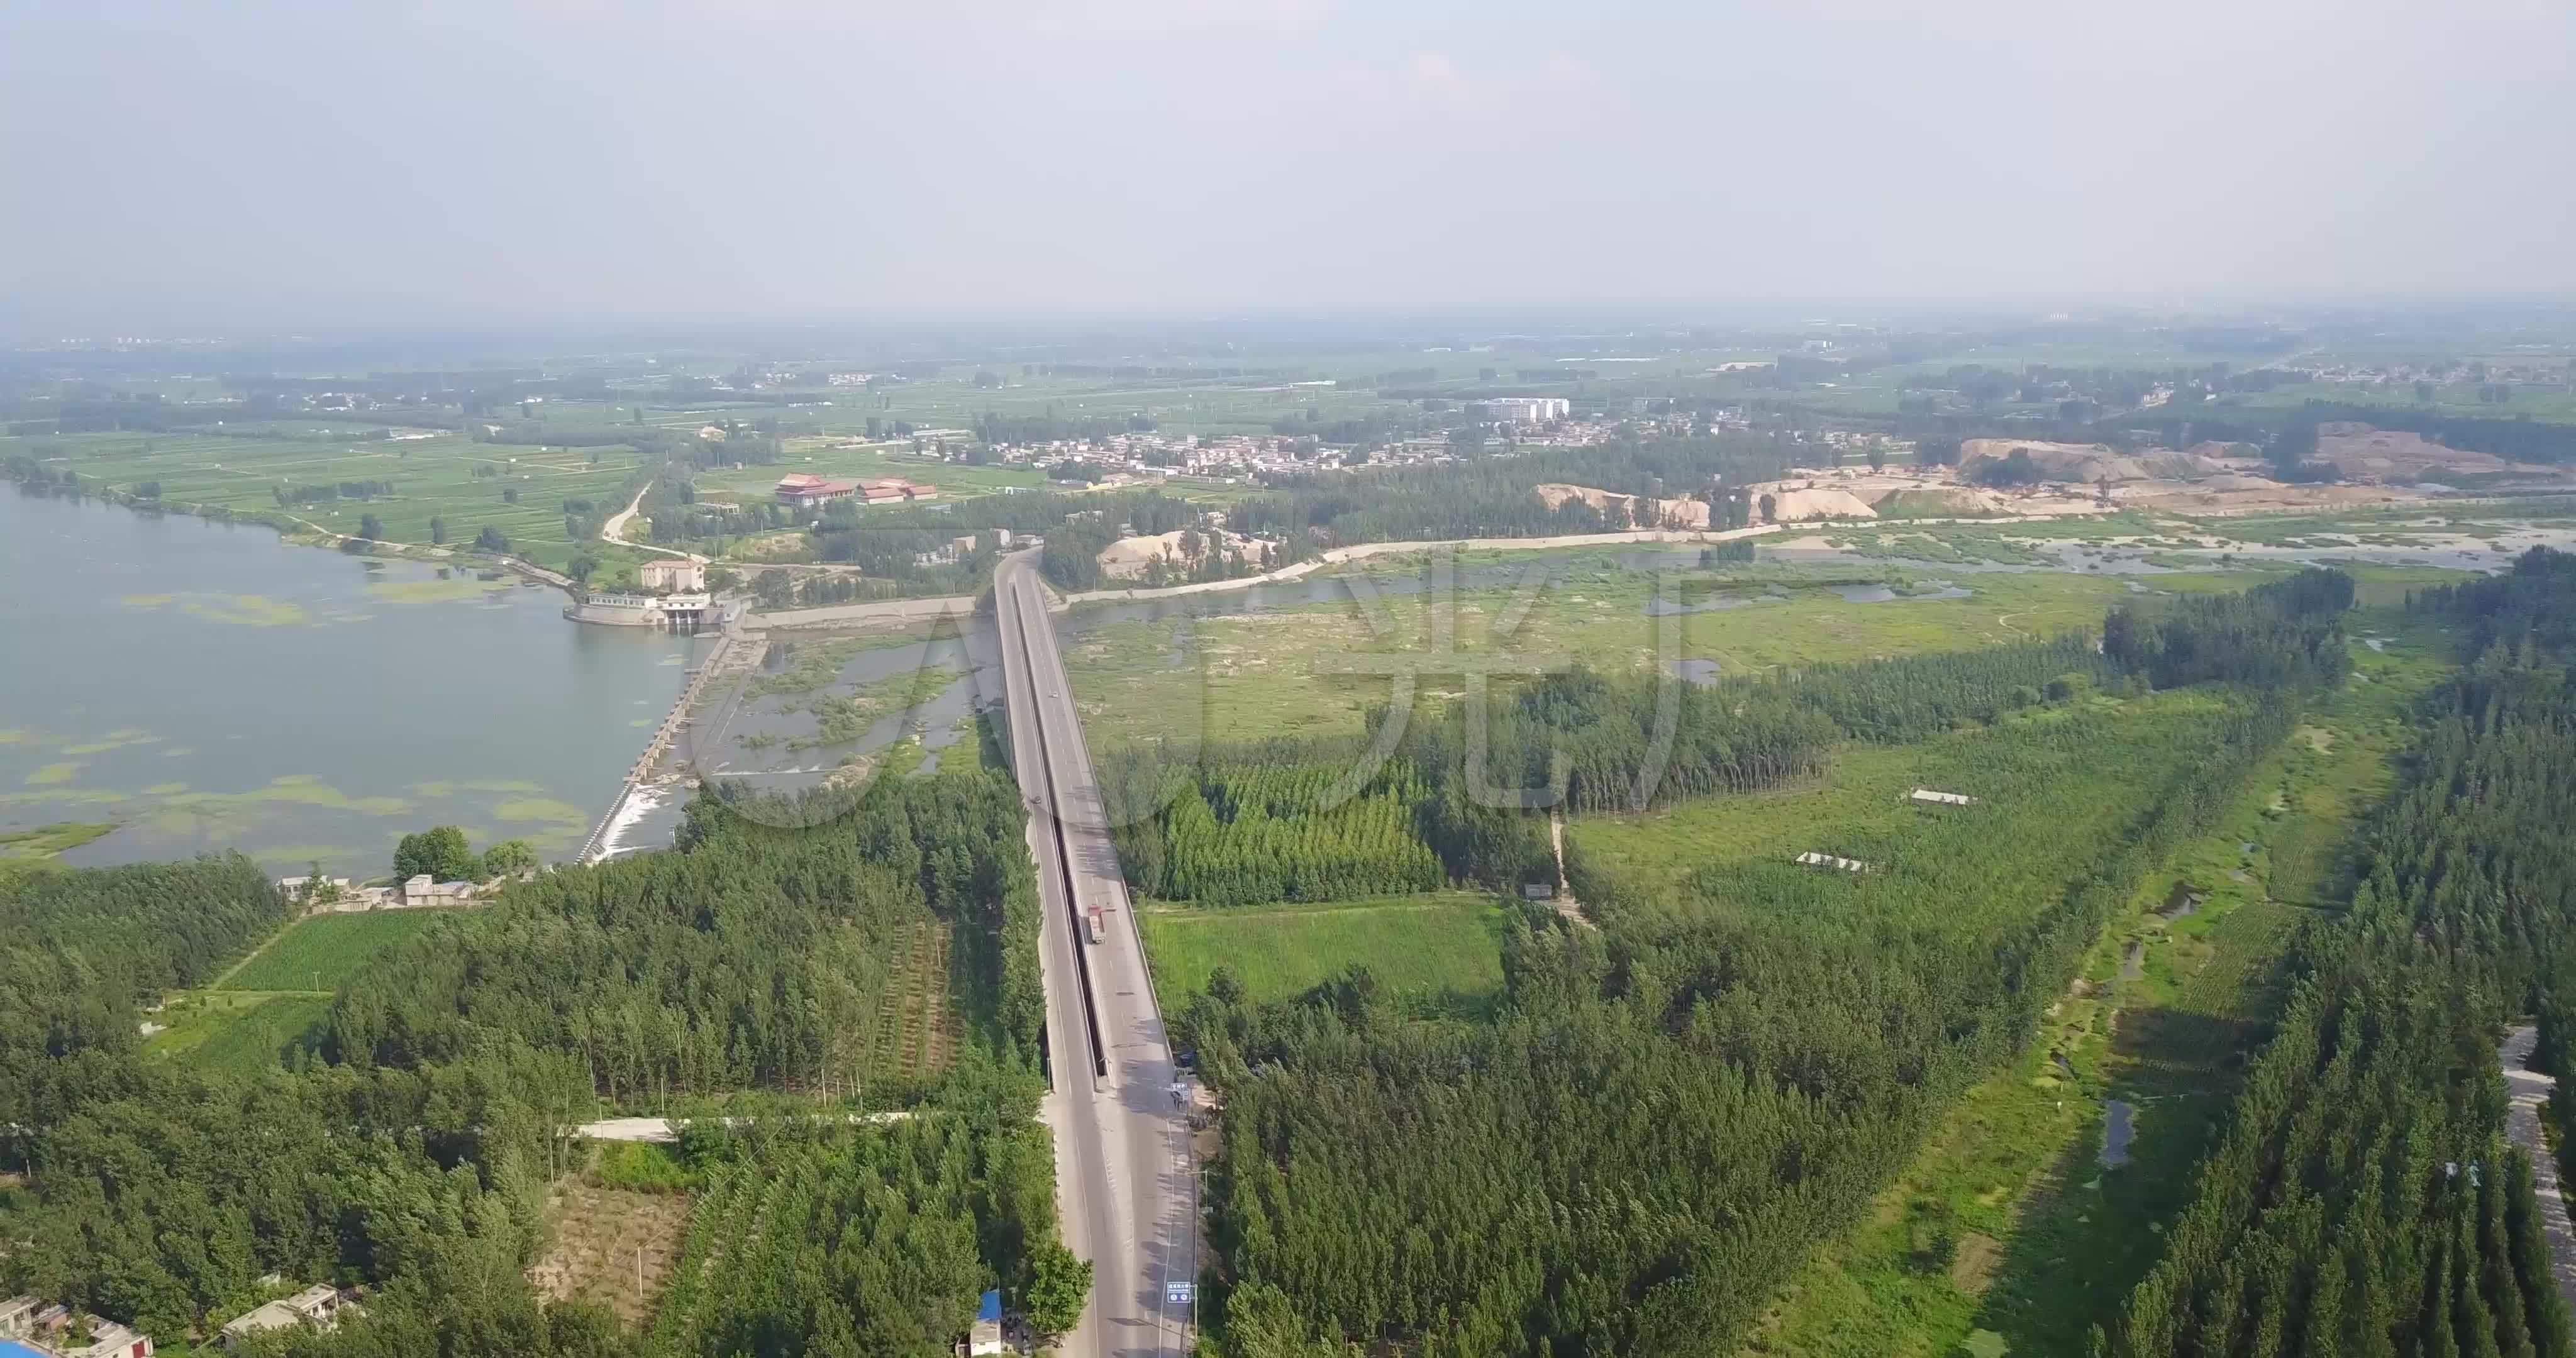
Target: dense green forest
751	960
1674	1110
2364	1201
143	1202
815	1243
82	954
1263	821
414	1158
2284	632
1671	1110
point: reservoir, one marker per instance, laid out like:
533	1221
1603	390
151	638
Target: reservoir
207	686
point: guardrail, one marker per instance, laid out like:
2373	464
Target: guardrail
1055	809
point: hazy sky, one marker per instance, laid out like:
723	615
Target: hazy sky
370	161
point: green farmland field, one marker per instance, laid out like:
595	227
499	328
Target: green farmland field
1441	950
841	460
241	1032
322	952
260	1038
239	474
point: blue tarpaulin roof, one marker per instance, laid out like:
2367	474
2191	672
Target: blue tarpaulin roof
992	1307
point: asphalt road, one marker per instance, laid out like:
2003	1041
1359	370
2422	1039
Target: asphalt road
1125	1187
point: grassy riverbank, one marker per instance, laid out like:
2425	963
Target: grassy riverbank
25	850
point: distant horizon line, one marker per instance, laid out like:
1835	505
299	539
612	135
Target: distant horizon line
2026	309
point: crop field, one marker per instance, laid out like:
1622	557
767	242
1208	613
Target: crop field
444	476
2450	398
239	1031
1205	399
1875	391
842	460
1441	951
1179	402
1184	679
322	952
2075	774
614	1247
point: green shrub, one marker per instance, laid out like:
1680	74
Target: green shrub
643	1167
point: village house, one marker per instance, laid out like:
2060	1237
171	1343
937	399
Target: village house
420	891
31	1329
668	575
895	491
985	1337
803	490
359	899
318	1306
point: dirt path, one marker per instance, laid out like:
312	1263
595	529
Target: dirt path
880	612
1365	550
2529	1089
1566	905
615	531
668	1129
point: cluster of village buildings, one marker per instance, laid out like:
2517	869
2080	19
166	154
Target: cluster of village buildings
1531	421
33	1328
804	490
338	895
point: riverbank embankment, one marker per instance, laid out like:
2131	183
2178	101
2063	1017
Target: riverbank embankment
735	648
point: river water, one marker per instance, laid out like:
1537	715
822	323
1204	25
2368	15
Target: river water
208	686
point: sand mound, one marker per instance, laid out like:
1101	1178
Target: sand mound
2233	481
2361	453
2085	462
2165	465
2215	451
1642	512
1128	558
1792	506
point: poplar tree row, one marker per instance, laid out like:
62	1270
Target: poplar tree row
2364	1200
753	958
